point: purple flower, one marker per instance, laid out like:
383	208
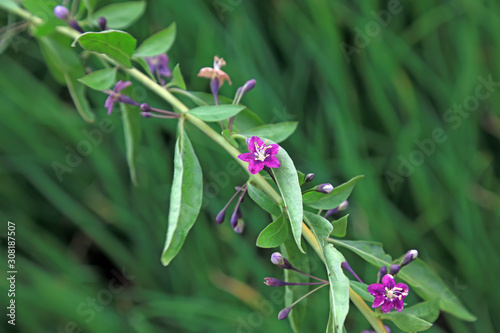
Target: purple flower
159	65
273	282
260	155
388	294
284	313
116	96
278	259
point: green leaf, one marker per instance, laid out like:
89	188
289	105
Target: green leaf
275	132
60	58
116	44
158	43
145	66
406	322
274	234
340	226
263	200
9	5
339	288
360	289
302	177
423	280
288	184
120	15
300	261
428	311
177	79
132	131
77	92
369	251
100	80
216	112
320	226
319	200
185	197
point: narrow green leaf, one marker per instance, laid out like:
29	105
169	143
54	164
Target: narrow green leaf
302	177
116	44
77	92
216	112
120	15
132	131
407	322
372	252
100	80
185	197
319	200
360	289
60	58
340	226
339	288
274	234
320	226
263	200
145	66
423	280
177	79
275	132
428	311
288	184
158	43
301	261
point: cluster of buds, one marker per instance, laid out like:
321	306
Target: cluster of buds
63	13
237	215
388	294
280	261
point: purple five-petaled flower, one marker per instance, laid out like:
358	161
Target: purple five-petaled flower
260	155
159	65
388	294
116	96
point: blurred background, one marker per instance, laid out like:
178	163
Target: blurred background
404	92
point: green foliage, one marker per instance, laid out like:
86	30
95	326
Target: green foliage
340	226
274	132
185	197
118	45
120	15
216	112
177	79
158	43
331	200
263	200
274	234
101	79
132	131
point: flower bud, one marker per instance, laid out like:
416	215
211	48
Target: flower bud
145	107
394	270
101	21
221	216
381	272
325	188
341	207
74	24
280	261
239	226
309	177
214	86
284	313
273	282
146	114
61	12
409	257
248	86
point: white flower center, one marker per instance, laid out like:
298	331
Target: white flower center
260	152
395	293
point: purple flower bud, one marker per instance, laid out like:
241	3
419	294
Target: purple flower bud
248	86
381	272
146	114
342	206
127	100
239	226
61	12
325	188
284	313
145	107
409	257
278	259
101	21
221	216
394	270
273	282
345	265
309	177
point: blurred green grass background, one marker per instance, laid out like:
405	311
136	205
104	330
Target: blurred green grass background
361	116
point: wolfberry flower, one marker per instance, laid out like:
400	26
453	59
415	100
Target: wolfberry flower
260	155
